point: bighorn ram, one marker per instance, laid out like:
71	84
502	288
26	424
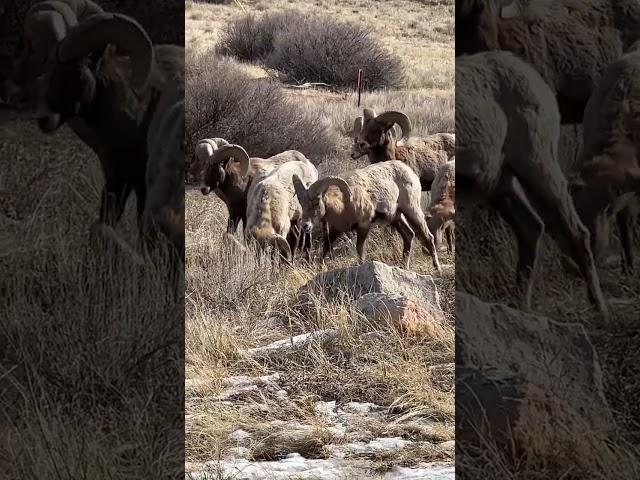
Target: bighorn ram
509	156
375	136
611	155
568	53
224	175
201	154
388	191
442	205
122	94
274	211
623	15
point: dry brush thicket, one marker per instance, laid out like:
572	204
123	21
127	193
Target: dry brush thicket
239	298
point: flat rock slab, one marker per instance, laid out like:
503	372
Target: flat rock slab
557	358
286	345
385	294
373	277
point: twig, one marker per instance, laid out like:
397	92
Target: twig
240	5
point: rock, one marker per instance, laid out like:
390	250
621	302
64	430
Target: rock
270	323
238	452
240	436
529	365
377	447
290	344
408	316
372	277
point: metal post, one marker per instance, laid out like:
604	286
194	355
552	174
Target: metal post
360	81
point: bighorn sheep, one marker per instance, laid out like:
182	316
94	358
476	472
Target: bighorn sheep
375	136
388	191
127	94
610	155
204	149
623	15
223	175
442	205
274	211
509	156
568	54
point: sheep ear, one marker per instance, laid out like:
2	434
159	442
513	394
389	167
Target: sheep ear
300	189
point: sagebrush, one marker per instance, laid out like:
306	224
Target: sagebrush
305	48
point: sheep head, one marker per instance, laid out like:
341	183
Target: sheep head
378	131
311	198
46	24
106	49
218	165
201	154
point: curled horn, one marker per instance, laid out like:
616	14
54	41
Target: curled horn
357	126
220	142
282	245
319	187
104	28
391	117
237	152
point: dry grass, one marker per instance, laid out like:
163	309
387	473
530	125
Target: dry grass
570	447
238	301
86	338
235	302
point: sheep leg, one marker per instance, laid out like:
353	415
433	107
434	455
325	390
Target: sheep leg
450	240
330	236
294	240
557	210
623	220
114	198
306	240
419	225
403	228
362	232
528	227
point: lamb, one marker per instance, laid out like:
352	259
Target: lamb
203	150
610	155
103	75
442	205
509	157
376	137
388	191
568	53
274	212
230	173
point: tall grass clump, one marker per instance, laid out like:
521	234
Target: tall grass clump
305	48
222	101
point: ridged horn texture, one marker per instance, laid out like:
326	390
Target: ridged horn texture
281	243
391	117
319	187
239	154
104	28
